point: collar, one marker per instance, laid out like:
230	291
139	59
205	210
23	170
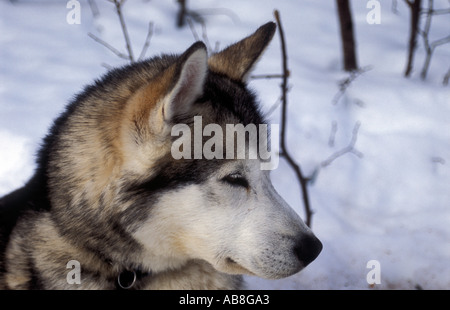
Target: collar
127	279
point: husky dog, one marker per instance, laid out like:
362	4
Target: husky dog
108	196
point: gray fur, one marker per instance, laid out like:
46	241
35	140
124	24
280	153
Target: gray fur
108	194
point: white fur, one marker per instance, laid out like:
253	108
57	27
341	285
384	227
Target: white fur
216	222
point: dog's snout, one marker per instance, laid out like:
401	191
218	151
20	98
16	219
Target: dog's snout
307	249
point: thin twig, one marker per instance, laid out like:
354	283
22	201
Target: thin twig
394	7
205	38
197	15
266	76
107	66
181	13
184	13
424	33
94	8
219	11
284	87
345	83
446	78
130	57
348	149
441	41
436	12
332	138
108	46
124	28
273	108
414	8
193	31
147	41
438	160
429	47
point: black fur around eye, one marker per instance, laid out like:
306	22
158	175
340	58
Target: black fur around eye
236	179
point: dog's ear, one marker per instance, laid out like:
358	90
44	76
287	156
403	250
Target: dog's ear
237	60
167	97
189	79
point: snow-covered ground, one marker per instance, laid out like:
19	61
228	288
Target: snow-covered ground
391	205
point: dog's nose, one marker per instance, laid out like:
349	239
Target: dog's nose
308	248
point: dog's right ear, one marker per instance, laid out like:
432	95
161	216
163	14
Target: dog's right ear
156	106
189	79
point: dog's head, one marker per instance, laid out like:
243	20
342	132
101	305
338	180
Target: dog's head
212	206
130	175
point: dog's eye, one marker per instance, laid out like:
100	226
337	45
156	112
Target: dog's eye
236	179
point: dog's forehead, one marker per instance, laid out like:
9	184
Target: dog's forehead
229	102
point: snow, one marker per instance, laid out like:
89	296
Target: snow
390	205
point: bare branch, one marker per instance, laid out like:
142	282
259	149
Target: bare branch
333	132
409	2
94	8
436	12
220	11
441	41
394	7
197	15
147	41
108	46
273	107
344	84
107	66
415	8
348	149
130	57
124	28
181	13
446	78
284	88
347	35
429	47
267	76
438	160
205	38
194	32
